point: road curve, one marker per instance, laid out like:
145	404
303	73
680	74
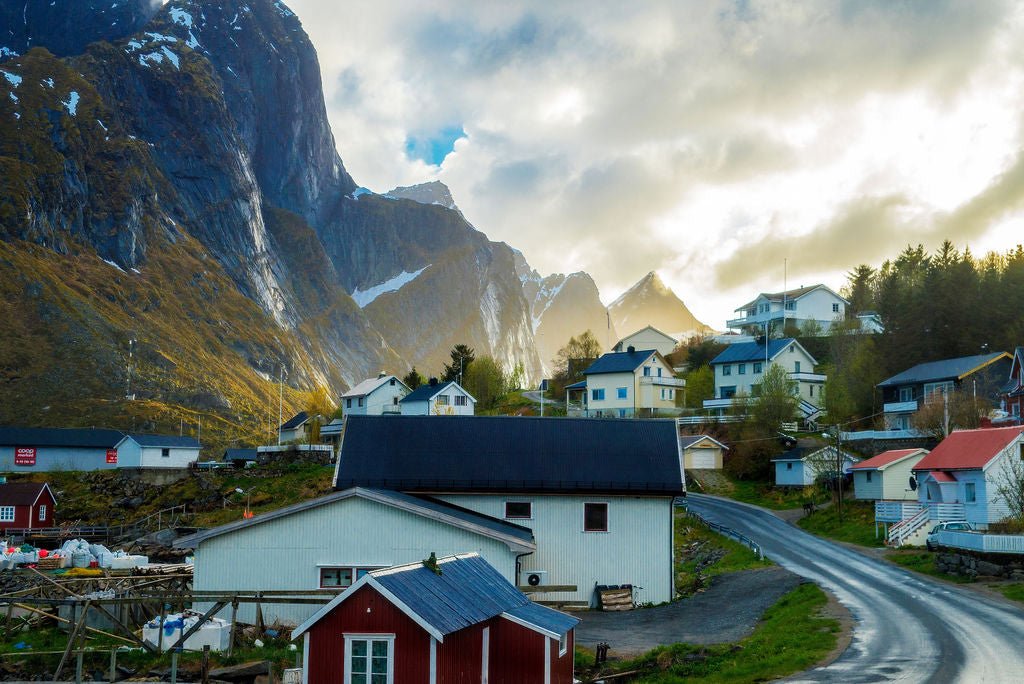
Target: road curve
908	628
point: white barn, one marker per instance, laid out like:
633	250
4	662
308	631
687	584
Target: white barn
597	494
157	451
374	396
83	449
438	399
332	541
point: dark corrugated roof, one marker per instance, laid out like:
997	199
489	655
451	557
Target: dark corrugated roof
467	591
947	369
166	441
295	421
751	351
425	392
582	384
60	437
510	454
619	362
544	617
20	493
240	454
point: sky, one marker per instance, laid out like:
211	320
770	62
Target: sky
729	146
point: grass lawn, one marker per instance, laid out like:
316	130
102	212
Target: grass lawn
1014	592
793	635
923	562
777	498
856	527
701	554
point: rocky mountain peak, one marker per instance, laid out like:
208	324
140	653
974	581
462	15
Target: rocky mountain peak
434	192
66	27
651	302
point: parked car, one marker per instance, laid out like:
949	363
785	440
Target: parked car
932	542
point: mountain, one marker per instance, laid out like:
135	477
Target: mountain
178	185
651	302
434	192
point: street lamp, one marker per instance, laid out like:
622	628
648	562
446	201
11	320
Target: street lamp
248	497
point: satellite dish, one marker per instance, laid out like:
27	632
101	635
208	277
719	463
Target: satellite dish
913	483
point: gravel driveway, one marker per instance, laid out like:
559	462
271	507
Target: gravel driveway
726	612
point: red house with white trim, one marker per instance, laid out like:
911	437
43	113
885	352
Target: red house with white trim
453	620
26	505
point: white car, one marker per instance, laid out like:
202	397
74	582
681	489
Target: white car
932	542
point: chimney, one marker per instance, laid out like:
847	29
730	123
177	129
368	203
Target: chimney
433	382
630	349
381	375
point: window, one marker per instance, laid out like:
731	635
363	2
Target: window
811	390
392	382
728	392
360	401
906	394
165	452
970	495
622	392
563	644
647	371
934	391
6	513
672	394
622	413
348	403
369	658
460	400
755	390
662	392
757	367
741	369
868	475
341	577
595	517
789	466
790	306
835	308
518	509
42	511
597	394
442	400
796	366
659	371
394	401
726	370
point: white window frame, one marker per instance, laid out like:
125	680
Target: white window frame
607	517
460	400
741	369
42	512
726	369
906	394
354	568
757	367
563	644
7	513
970	492
347	663
835	308
442	400
622	393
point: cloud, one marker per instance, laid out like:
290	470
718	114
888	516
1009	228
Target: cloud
620	138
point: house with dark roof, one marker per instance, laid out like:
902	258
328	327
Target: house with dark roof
960	480
625	384
139	450
904	394
438	399
804	466
815	307
295	428
374	396
1013	391
740	369
441	620
596	494
48	449
240	458
332	541
26	505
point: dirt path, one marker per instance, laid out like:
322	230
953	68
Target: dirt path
727	612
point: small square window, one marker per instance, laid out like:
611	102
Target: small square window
335	578
518	509
165	453
742	369
789	466
835	308
597	394
6	513
726	370
595	517
868	475
460	400
757	367
622	392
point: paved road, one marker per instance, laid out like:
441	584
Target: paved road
908	628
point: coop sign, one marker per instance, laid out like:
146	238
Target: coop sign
25	456
111	455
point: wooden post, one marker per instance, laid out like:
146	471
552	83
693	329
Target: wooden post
78	667
231	636
160	636
205	667
113	665
8	627
71	640
174	667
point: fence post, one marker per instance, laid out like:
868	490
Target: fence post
78	667
174	666
113	665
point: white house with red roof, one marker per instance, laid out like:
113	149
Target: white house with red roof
959	480
887	475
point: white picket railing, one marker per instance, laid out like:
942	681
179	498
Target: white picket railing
985	543
905	529
896	511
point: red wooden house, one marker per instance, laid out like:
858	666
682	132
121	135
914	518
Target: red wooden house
1013	391
453	620
26	505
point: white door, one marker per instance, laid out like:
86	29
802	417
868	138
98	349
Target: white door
702	458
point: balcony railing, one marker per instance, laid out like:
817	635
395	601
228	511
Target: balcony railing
663	381
391	409
900	407
896	511
808	377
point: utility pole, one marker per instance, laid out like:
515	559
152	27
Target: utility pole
280	403
945	413
128	391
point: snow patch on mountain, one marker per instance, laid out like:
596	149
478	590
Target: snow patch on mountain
393	284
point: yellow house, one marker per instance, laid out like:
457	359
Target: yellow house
701	452
626	384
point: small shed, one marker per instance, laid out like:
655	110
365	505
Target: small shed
800	467
240	458
701	452
452	619
157	451
438	399
26	505
887	475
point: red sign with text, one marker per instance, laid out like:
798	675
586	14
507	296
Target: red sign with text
111	455
25	456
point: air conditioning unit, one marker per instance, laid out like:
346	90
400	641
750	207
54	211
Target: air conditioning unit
536	578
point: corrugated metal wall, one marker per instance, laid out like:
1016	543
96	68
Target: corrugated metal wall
58	459
636	549
286	553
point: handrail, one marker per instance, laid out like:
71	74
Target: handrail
729	532
904	529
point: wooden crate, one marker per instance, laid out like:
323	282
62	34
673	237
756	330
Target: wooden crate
616	599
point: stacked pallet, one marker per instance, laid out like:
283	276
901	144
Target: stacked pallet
616	598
